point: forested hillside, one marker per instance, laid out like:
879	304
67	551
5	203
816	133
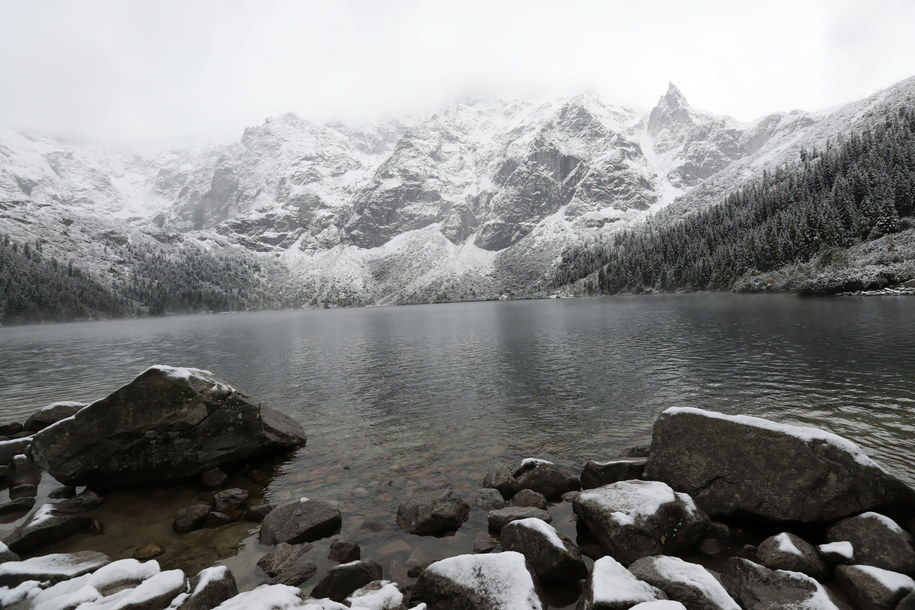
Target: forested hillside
36	288
858	189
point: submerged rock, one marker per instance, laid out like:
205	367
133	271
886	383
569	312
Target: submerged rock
191	518
45	526
432	513
633	519
756	587
612	587
551	555
302	521
493	581
343	551
877	541
740	464
168	423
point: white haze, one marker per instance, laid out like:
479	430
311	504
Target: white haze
163	73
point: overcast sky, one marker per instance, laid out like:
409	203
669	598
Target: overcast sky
170	72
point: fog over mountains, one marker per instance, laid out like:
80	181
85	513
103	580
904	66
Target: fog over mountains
476	201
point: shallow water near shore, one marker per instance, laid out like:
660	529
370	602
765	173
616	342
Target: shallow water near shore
412	398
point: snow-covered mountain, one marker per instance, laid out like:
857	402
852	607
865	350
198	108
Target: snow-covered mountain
474	201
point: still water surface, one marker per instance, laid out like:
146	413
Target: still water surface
400	398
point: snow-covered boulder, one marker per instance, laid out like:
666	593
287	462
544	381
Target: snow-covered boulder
785	551
545	478
45	526
168	423
598	474
500	518
552	556
633	519
838	552
377	595
209	588
740	464
757	587
664	604
51	568
874	588
342	580
495	581
265	597
685	582
612	587
302	521
877	541
432	513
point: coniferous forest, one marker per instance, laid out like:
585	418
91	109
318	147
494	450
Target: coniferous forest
37	288
855	190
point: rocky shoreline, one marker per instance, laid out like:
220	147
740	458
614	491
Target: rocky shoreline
719	512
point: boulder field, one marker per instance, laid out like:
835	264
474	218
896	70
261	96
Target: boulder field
660	531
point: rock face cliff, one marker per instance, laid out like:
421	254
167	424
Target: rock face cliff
472	202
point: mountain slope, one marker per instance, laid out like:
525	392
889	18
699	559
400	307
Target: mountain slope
480	199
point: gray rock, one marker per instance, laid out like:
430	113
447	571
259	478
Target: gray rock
688	583
17	505
302	521
84	501
229	499
907	603
877	541
214	478
550	555
756	587
545	478
10	429
344	551
786	551
636	451
257	514
753	466
432	513
24	490
6	554
191	518
626	590
13	447
492	581
209	588
598	474
529	498
166	424
51	568
52	414
498	519
872	588
501	479
340	581
281	556
489	499
216	519
633	519
63	493
711	547
23	471
45	526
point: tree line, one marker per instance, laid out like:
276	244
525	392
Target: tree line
858	188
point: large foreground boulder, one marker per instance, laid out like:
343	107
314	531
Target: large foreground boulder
494	581
168	423
633	519
740	464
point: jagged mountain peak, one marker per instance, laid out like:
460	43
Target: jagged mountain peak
674	98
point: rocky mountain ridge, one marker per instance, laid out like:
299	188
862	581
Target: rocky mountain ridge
475	201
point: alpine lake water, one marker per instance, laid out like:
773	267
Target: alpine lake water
403	399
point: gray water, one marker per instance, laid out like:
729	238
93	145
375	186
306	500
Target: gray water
401	398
